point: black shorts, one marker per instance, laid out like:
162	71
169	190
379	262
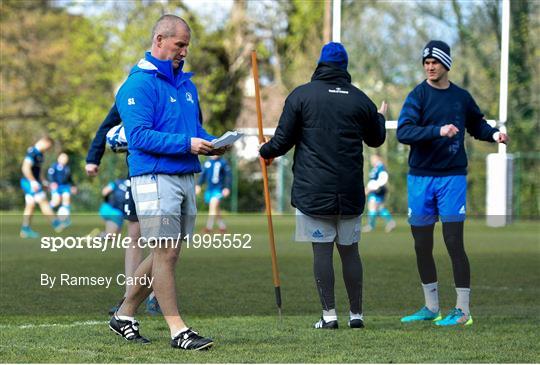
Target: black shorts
130	213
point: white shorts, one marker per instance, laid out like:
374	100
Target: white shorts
165	204
343	230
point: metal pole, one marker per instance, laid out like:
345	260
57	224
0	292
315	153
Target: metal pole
505	46
336	21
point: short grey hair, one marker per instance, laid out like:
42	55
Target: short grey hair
166	26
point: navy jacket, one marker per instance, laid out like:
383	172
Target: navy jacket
424	112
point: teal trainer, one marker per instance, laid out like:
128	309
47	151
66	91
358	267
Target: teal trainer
57	225
423	314
27	232
455	317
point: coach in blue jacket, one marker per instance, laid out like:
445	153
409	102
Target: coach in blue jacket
159	107
433	121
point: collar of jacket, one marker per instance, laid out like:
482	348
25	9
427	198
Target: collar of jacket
163	69
329	71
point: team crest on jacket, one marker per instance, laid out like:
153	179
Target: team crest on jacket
189	97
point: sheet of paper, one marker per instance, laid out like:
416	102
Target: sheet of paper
227	139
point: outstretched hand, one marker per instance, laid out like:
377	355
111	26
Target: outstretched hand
503	138
384	108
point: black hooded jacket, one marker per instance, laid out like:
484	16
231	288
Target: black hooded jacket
327	120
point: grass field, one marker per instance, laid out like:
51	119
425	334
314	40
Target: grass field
227	294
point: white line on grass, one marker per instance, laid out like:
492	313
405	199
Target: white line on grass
31	325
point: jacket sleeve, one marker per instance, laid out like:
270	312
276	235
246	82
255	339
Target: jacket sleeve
374	132
476	125
97	148
408	131
202	133
136	104
287	131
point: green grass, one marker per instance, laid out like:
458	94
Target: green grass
227	294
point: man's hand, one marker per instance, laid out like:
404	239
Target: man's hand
500	137
91	169
449	130
225	192
200	147
53	186
74	190
384	108
269	161
221	151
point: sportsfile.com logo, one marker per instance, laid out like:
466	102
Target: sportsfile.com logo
338	90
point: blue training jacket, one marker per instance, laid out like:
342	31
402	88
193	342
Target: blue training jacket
160	112
424	112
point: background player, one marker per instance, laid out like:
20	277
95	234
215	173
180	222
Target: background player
433	121
61	187
217	176
33	188
376	192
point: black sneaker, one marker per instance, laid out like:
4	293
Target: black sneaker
356	323
127	329
115	308
322	324
190	340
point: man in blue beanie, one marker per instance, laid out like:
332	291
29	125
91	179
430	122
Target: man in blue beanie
326	120
433	121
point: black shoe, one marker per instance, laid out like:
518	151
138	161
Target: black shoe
115	308
127	329
322	324
190	340
356	323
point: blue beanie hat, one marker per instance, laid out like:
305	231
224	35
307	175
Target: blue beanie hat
335	52
438	50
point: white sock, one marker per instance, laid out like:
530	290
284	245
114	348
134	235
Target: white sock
431	295
179	332
151	296
329	315
353	316
210	222
126	318
221	224
463	297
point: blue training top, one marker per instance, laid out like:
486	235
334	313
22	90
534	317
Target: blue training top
59	174
159	107
118	197
374	175
35	157
424	112
216	174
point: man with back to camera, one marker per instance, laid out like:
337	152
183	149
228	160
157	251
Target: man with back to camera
326	120
433	121
159	107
